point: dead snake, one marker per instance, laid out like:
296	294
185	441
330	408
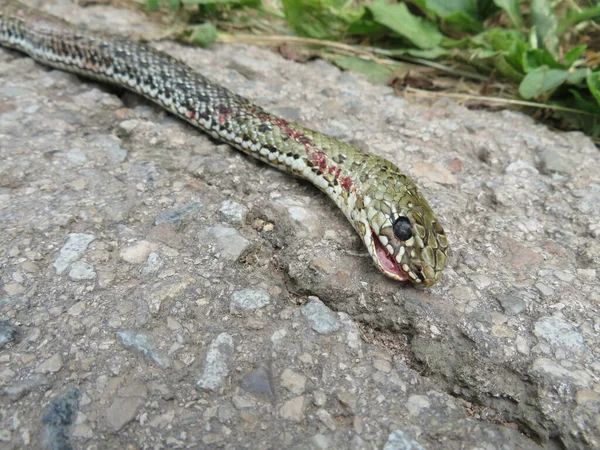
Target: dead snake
384	206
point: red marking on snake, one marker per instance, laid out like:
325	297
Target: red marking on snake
346	183
319	159
191	115
224	111
336	171
315	154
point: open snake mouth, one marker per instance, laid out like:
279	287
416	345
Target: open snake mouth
386	261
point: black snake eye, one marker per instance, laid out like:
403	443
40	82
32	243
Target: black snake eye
402	228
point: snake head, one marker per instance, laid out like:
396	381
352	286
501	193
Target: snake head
401	232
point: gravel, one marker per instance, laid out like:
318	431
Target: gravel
195	298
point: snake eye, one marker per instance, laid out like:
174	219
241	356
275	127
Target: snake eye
402	228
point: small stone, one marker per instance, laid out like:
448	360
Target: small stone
76	309
326	418
565	276
58	417
18	390
227	241
306	358
173	324
171	291
74	247
300	214
319	398
277	337
553	160
152	265
50	365
511	305
135	388
81	271
122	411
177	216
502	331
139	341
544	290
250	299
320	317
322	265
348	400
5	436
559	334
258	382
235	213
293	409
8	332
83	431
165	234
6	375
112	147
434	173
14	289
481	281
584	396
137	253
416	403
399	441
382	365
548	367
293	382
129	125
163	420
242	402
30	267
216	366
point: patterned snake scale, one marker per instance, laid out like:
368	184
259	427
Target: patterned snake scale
384	206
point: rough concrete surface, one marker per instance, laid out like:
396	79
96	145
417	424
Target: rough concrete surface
159	289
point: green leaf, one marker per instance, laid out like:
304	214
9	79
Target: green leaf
321	19
461	21
593	82
204	34
376	73
398	18
574	17
444	8
512	11
364	26
585	105
573	55
546	25
577	76
506	69
511	45
535	57
590	125
542	80
461	15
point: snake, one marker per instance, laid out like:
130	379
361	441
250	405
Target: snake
403	236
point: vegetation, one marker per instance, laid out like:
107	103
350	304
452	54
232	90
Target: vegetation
539	55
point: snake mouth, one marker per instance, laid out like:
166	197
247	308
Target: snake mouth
386	261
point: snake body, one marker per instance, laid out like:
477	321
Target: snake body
395	222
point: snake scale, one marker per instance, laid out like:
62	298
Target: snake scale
385	207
